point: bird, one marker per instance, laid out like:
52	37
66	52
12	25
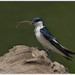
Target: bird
48	41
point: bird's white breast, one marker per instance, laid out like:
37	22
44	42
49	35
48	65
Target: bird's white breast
41	39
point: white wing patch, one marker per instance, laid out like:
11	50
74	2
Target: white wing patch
55	40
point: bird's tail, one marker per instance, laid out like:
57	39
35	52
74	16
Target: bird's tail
68	56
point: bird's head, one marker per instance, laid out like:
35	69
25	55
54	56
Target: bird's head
37	21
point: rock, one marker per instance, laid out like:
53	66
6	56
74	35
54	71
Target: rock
28	60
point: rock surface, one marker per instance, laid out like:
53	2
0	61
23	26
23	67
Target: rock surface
22	59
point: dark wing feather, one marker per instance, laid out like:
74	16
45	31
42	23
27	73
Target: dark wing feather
46	34
60	48
53	41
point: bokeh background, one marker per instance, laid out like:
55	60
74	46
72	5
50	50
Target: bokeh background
59	18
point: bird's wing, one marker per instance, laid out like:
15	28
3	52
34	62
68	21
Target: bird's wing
48	35
53	41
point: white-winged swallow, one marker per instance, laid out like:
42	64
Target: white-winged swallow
48	41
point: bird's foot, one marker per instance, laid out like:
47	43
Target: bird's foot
48	54
37	48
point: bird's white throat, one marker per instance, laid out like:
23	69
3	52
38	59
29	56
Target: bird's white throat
39	24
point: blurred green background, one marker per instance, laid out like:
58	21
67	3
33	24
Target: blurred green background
59	18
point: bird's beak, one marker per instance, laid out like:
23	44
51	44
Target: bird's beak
32	22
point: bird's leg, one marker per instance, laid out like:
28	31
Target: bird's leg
37	48
48	54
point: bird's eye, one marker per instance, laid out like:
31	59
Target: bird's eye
37	20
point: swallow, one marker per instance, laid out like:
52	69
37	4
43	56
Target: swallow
48	41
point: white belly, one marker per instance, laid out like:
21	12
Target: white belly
43	41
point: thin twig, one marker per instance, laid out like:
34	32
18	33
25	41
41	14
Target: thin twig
25	21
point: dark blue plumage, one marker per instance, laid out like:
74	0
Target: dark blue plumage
46	33
36	19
